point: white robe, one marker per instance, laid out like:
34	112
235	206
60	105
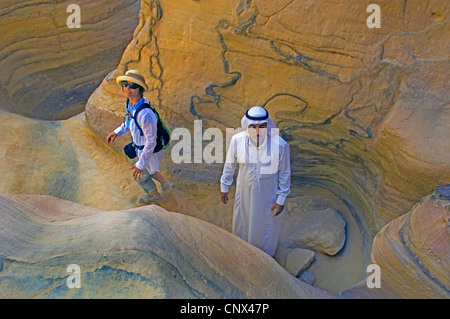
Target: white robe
257	188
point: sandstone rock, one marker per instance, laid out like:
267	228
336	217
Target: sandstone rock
413	253
63	159
298	260
332	273
321	230
307	277
66	160
364	110
144	252
443	192
48	69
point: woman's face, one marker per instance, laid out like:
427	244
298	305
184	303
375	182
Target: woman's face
129	92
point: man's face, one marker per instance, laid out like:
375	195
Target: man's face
257	132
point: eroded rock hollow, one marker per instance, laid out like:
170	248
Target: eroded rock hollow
349	99
364	110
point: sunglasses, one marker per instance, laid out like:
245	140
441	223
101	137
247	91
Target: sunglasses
131	85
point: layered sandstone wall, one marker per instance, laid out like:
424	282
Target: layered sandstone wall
364	110
49	68
149	252
143	252
413	253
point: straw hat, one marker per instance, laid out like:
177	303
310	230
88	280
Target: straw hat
133	76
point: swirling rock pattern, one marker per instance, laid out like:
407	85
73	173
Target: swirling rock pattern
63	159
48	69
139	253
413	253
365	111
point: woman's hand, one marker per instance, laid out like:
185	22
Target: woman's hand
137	173
111	137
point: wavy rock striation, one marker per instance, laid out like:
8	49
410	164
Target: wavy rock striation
48	69
365	111
63	159
413	253
139	253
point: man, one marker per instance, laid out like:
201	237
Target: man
263	181
146	165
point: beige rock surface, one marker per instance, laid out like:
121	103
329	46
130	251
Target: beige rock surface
143	252
347	98
63	159
365	112
48	69
298	260
413	253
68	161
321	230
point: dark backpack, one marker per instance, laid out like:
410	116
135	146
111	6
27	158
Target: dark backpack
162	132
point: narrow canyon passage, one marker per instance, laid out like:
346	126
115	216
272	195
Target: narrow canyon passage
307	222
348	265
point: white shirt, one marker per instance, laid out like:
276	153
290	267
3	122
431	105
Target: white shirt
148	123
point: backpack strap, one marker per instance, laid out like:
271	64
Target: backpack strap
140	108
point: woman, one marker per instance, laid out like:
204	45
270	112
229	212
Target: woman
146	165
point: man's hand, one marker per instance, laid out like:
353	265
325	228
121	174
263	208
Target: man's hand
276	209
137	173
111	137
224	197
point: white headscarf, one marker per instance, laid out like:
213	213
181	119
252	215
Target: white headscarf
257	115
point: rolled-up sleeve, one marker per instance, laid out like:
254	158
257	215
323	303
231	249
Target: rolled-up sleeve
121	130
